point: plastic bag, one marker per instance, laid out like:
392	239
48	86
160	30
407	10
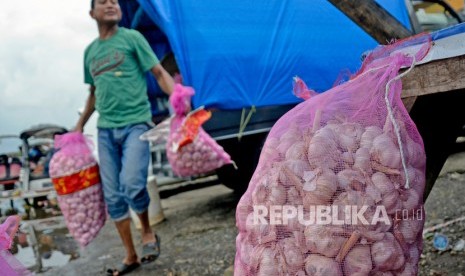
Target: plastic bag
190	150
339	185
9	265
159	134
75	176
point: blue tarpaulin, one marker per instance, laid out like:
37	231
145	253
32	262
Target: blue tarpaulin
134	17
243	53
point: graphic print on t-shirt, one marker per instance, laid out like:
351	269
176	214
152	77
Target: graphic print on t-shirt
106	63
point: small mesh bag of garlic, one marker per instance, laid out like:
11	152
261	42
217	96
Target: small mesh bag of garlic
339	184
190	150
76	179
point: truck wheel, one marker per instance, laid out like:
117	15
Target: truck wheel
245	153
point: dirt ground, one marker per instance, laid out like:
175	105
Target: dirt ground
445	204
198	235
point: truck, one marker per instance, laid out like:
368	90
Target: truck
241	56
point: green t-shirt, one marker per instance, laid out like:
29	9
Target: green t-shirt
116	67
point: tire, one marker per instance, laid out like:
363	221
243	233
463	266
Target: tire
245	153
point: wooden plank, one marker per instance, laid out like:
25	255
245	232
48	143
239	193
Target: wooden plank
435	77
409	102
372	18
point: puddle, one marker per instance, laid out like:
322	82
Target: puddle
43	241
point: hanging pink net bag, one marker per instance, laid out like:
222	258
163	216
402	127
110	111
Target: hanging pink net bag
9	265
75	176
339	185
190	150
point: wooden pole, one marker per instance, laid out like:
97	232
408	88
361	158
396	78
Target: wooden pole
373	18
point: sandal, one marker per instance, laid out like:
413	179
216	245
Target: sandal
150	251
123	269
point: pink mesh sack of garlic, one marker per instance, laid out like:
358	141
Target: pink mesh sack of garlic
75	176
190	150
9	265
339	185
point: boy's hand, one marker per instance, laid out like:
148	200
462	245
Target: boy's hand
78	128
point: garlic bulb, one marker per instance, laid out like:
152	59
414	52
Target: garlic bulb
322	239
364	228
277	195
260	233
358	261
298	167
353	198
267	262
387	254
414	253
416	179
294	196
322	149
351	180
370	133
410	229
415	153
382	183
409	269
389	195
411	266
316	265
373	192
292	254
410	199
269	191
260	195
362	161
386	152
284	146
298	151
348	136
348	159
319	187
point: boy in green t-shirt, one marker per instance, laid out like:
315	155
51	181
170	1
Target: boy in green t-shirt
114	67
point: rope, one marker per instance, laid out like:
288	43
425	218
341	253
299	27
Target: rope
393	121
245	121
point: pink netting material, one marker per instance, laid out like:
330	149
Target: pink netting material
190	150
83	209
9	265
74	154
350	149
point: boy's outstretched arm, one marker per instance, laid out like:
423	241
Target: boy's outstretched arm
164	79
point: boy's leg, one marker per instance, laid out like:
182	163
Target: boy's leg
124	230
136	158
146	231
110	155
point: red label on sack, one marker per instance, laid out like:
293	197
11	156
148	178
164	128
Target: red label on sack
77	181
192	124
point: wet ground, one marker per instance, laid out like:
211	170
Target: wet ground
198	235
197	238
43	241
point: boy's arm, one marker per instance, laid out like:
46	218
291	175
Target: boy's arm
88	110
164	79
